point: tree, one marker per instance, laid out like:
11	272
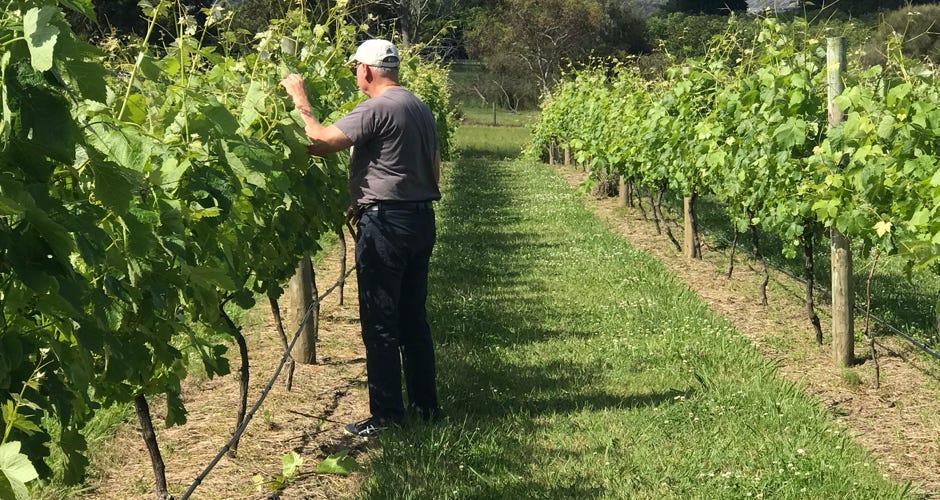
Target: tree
624	30
683	35
918	28
527	41
717	7
861	7
414	21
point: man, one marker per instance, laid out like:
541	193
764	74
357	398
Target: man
393	178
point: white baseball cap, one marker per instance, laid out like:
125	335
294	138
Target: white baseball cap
377	53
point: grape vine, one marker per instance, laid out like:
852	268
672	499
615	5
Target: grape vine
746	125
139	198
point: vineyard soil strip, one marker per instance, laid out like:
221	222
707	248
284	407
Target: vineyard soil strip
927	350
267	389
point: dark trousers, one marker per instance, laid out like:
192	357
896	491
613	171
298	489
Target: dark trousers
393	249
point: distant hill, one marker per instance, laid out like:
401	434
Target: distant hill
647	7
774	5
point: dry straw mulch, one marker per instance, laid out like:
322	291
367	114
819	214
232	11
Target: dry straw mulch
309	419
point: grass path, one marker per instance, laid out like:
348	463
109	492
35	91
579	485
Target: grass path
573	366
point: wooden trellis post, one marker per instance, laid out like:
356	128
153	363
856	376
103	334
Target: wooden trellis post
843	295
301	291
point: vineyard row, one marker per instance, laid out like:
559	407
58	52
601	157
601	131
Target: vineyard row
762	126
144	189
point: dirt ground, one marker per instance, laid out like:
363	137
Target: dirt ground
899	422
309	419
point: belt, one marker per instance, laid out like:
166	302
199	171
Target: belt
409	206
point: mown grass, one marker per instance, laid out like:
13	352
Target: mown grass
484	116
491	142
574	366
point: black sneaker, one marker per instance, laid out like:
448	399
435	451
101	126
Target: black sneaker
366	428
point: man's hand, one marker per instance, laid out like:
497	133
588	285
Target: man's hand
352	219
325	140
351	215
294	85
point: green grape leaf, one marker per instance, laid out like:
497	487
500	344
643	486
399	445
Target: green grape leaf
843	102
212	276
171	65
4	62
920	217
52	232
175	410
26	426
84	7
73	444
149	68
290	462
48	122
220	119
791	133
886	127
898	93
935	180
255	157
10	207
136	110
89	77
40	36
172	171
112	186
252	106
17	471
126	146
338	463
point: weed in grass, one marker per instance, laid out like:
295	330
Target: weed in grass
851	378
177	489
141	486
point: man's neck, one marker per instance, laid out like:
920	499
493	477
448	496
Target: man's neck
380	88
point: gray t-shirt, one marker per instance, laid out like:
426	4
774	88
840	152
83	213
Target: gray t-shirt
394	142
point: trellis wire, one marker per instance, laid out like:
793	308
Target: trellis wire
891	328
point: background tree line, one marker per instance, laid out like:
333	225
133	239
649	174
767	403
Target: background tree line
521	47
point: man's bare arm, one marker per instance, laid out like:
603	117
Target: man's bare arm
326	140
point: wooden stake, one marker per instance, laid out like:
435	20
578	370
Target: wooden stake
301	290
690	243
843	317
622	190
